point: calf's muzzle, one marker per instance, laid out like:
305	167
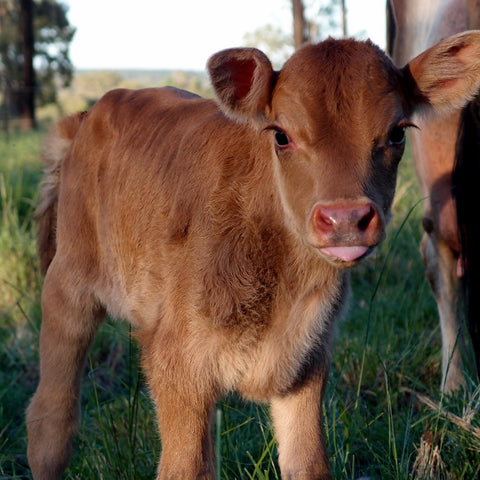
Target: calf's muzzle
346	231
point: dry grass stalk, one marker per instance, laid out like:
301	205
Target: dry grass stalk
429	464
459	421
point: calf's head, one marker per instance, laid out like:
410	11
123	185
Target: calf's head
335	118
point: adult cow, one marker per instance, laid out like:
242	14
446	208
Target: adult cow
223	232
446	150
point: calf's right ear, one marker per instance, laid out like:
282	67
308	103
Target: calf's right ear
243	80
448	74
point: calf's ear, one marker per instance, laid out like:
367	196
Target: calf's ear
448	74
242	79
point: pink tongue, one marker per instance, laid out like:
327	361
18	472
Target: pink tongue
346	254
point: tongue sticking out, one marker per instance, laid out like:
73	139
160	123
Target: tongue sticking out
346	254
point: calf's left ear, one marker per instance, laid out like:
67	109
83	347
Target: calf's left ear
242	79
448	74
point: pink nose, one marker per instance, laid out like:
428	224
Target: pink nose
347	224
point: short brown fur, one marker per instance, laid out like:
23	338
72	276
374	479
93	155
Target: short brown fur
223	233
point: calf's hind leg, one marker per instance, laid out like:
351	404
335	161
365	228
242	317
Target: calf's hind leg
68	327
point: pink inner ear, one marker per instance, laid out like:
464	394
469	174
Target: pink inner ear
241	75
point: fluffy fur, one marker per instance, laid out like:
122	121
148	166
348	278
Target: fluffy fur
210	227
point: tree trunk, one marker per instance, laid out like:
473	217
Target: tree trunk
25	97
344	20
299	25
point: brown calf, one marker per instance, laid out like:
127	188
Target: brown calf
222	232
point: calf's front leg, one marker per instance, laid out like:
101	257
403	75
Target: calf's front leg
297	420
185	403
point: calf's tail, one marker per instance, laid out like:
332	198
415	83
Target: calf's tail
54	150
466	181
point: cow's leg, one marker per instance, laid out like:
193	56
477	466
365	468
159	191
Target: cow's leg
68	326
185	400
297	420
441	270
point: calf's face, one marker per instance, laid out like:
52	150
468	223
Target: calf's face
339	128
336	119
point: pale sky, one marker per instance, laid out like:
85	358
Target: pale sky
182	34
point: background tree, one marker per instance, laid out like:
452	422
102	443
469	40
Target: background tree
344	18
25	96
300	26
34	41
314	20
272	40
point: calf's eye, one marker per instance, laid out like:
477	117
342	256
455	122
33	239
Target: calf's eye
397	135
281	138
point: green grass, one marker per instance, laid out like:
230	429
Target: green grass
19	295
387	345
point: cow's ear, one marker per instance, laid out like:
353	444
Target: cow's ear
242	79
448	74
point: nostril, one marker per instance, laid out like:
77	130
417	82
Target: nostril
324	219
366	218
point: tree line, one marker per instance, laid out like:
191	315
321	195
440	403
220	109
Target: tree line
35	36
34	57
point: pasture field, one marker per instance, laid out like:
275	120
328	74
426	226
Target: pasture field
387	352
